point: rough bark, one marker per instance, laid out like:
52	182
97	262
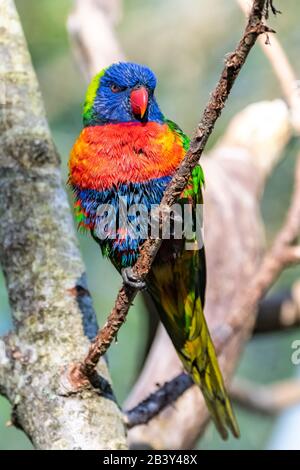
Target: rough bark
51	307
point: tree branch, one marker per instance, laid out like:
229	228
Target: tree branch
51	306
266	399
91	29
279	312
263	144
149	249
281	255
264	153
157	401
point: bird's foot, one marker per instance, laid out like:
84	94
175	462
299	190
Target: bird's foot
132	280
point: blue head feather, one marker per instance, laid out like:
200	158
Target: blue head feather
108	106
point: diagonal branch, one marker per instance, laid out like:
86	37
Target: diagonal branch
149	249
267	399
279	311
158	401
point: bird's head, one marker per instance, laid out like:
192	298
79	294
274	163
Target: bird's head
123	92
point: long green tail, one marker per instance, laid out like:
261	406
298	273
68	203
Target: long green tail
199	358
177	287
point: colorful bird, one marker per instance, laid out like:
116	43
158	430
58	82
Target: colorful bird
128	151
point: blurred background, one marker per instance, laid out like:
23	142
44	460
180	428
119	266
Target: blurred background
184	42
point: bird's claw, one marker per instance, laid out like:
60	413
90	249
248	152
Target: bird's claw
132	280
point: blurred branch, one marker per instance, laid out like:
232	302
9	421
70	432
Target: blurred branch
260	133
149	249
266	399
279	311
283	70
44	273
91	29
281	255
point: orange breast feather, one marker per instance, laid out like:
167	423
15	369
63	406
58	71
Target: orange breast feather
113	154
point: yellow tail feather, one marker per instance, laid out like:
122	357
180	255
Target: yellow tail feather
217	402
176	290
200	360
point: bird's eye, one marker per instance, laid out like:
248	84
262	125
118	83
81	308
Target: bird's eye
116	89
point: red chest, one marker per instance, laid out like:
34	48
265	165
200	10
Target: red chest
115	154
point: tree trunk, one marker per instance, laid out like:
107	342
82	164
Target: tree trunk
51	306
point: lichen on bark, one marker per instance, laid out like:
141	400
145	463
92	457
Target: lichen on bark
50	304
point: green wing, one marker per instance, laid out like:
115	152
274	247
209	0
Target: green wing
175	128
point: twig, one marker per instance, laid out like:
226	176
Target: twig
266	399
157	401
149	249
279	312
283	71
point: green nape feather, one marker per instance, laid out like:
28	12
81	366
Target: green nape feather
197	180
175	128
90	97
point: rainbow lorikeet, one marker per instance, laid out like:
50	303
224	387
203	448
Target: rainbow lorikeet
128	149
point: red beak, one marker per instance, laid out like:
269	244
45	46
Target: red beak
139	101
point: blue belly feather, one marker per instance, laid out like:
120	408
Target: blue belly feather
123	250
